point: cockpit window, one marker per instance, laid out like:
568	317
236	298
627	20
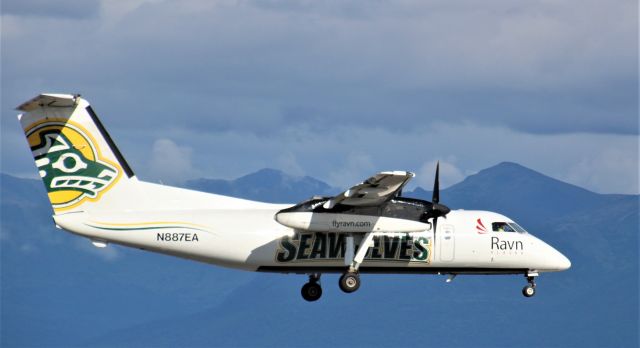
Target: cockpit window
507	227
517	227
502	227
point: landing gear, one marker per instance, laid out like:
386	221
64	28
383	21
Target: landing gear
530	289
312	290
349	282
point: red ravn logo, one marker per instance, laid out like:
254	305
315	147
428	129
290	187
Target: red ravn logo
480	227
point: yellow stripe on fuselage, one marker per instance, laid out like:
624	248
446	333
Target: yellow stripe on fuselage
137	224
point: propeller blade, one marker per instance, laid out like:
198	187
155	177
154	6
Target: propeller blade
435	227
436	209
436	185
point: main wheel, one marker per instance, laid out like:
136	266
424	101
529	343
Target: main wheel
528	291
349	282
311	291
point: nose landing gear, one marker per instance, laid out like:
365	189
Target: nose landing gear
530	289
312	290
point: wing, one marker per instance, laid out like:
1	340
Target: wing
372	191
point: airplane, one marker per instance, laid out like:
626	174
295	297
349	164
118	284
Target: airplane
369	228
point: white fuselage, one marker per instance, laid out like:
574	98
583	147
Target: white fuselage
243	234
369	227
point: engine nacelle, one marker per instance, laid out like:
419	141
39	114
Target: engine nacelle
336	222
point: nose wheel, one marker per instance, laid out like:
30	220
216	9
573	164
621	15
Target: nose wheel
312	290
530	289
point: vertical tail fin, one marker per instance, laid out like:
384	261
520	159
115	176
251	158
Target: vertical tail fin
80	165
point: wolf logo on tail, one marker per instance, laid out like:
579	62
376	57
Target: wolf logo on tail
69	163
76	158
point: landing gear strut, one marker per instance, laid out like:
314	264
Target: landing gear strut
312	290
530	289
350	282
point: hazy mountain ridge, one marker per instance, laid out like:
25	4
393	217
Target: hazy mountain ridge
266	185
57	292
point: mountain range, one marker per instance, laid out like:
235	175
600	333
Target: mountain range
266	185
57	290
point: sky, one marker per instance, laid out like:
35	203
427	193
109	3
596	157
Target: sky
338	90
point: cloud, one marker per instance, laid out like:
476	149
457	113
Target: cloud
60	8
449	173
346	156
312	86
170	162
610	170
350	170
288	163
535	67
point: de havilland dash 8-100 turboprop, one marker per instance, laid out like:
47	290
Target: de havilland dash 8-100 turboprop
369	228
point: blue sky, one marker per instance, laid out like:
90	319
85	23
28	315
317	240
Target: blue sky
338	89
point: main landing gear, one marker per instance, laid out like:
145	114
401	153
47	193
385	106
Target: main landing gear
530	289
349	282
312	290
350	279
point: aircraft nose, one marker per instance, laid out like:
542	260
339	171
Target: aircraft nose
566	263
550	259
561	262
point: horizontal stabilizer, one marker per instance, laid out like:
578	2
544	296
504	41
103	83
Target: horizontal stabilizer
49	100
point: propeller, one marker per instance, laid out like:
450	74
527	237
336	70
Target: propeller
436	210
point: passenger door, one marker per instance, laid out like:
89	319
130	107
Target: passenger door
447	242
